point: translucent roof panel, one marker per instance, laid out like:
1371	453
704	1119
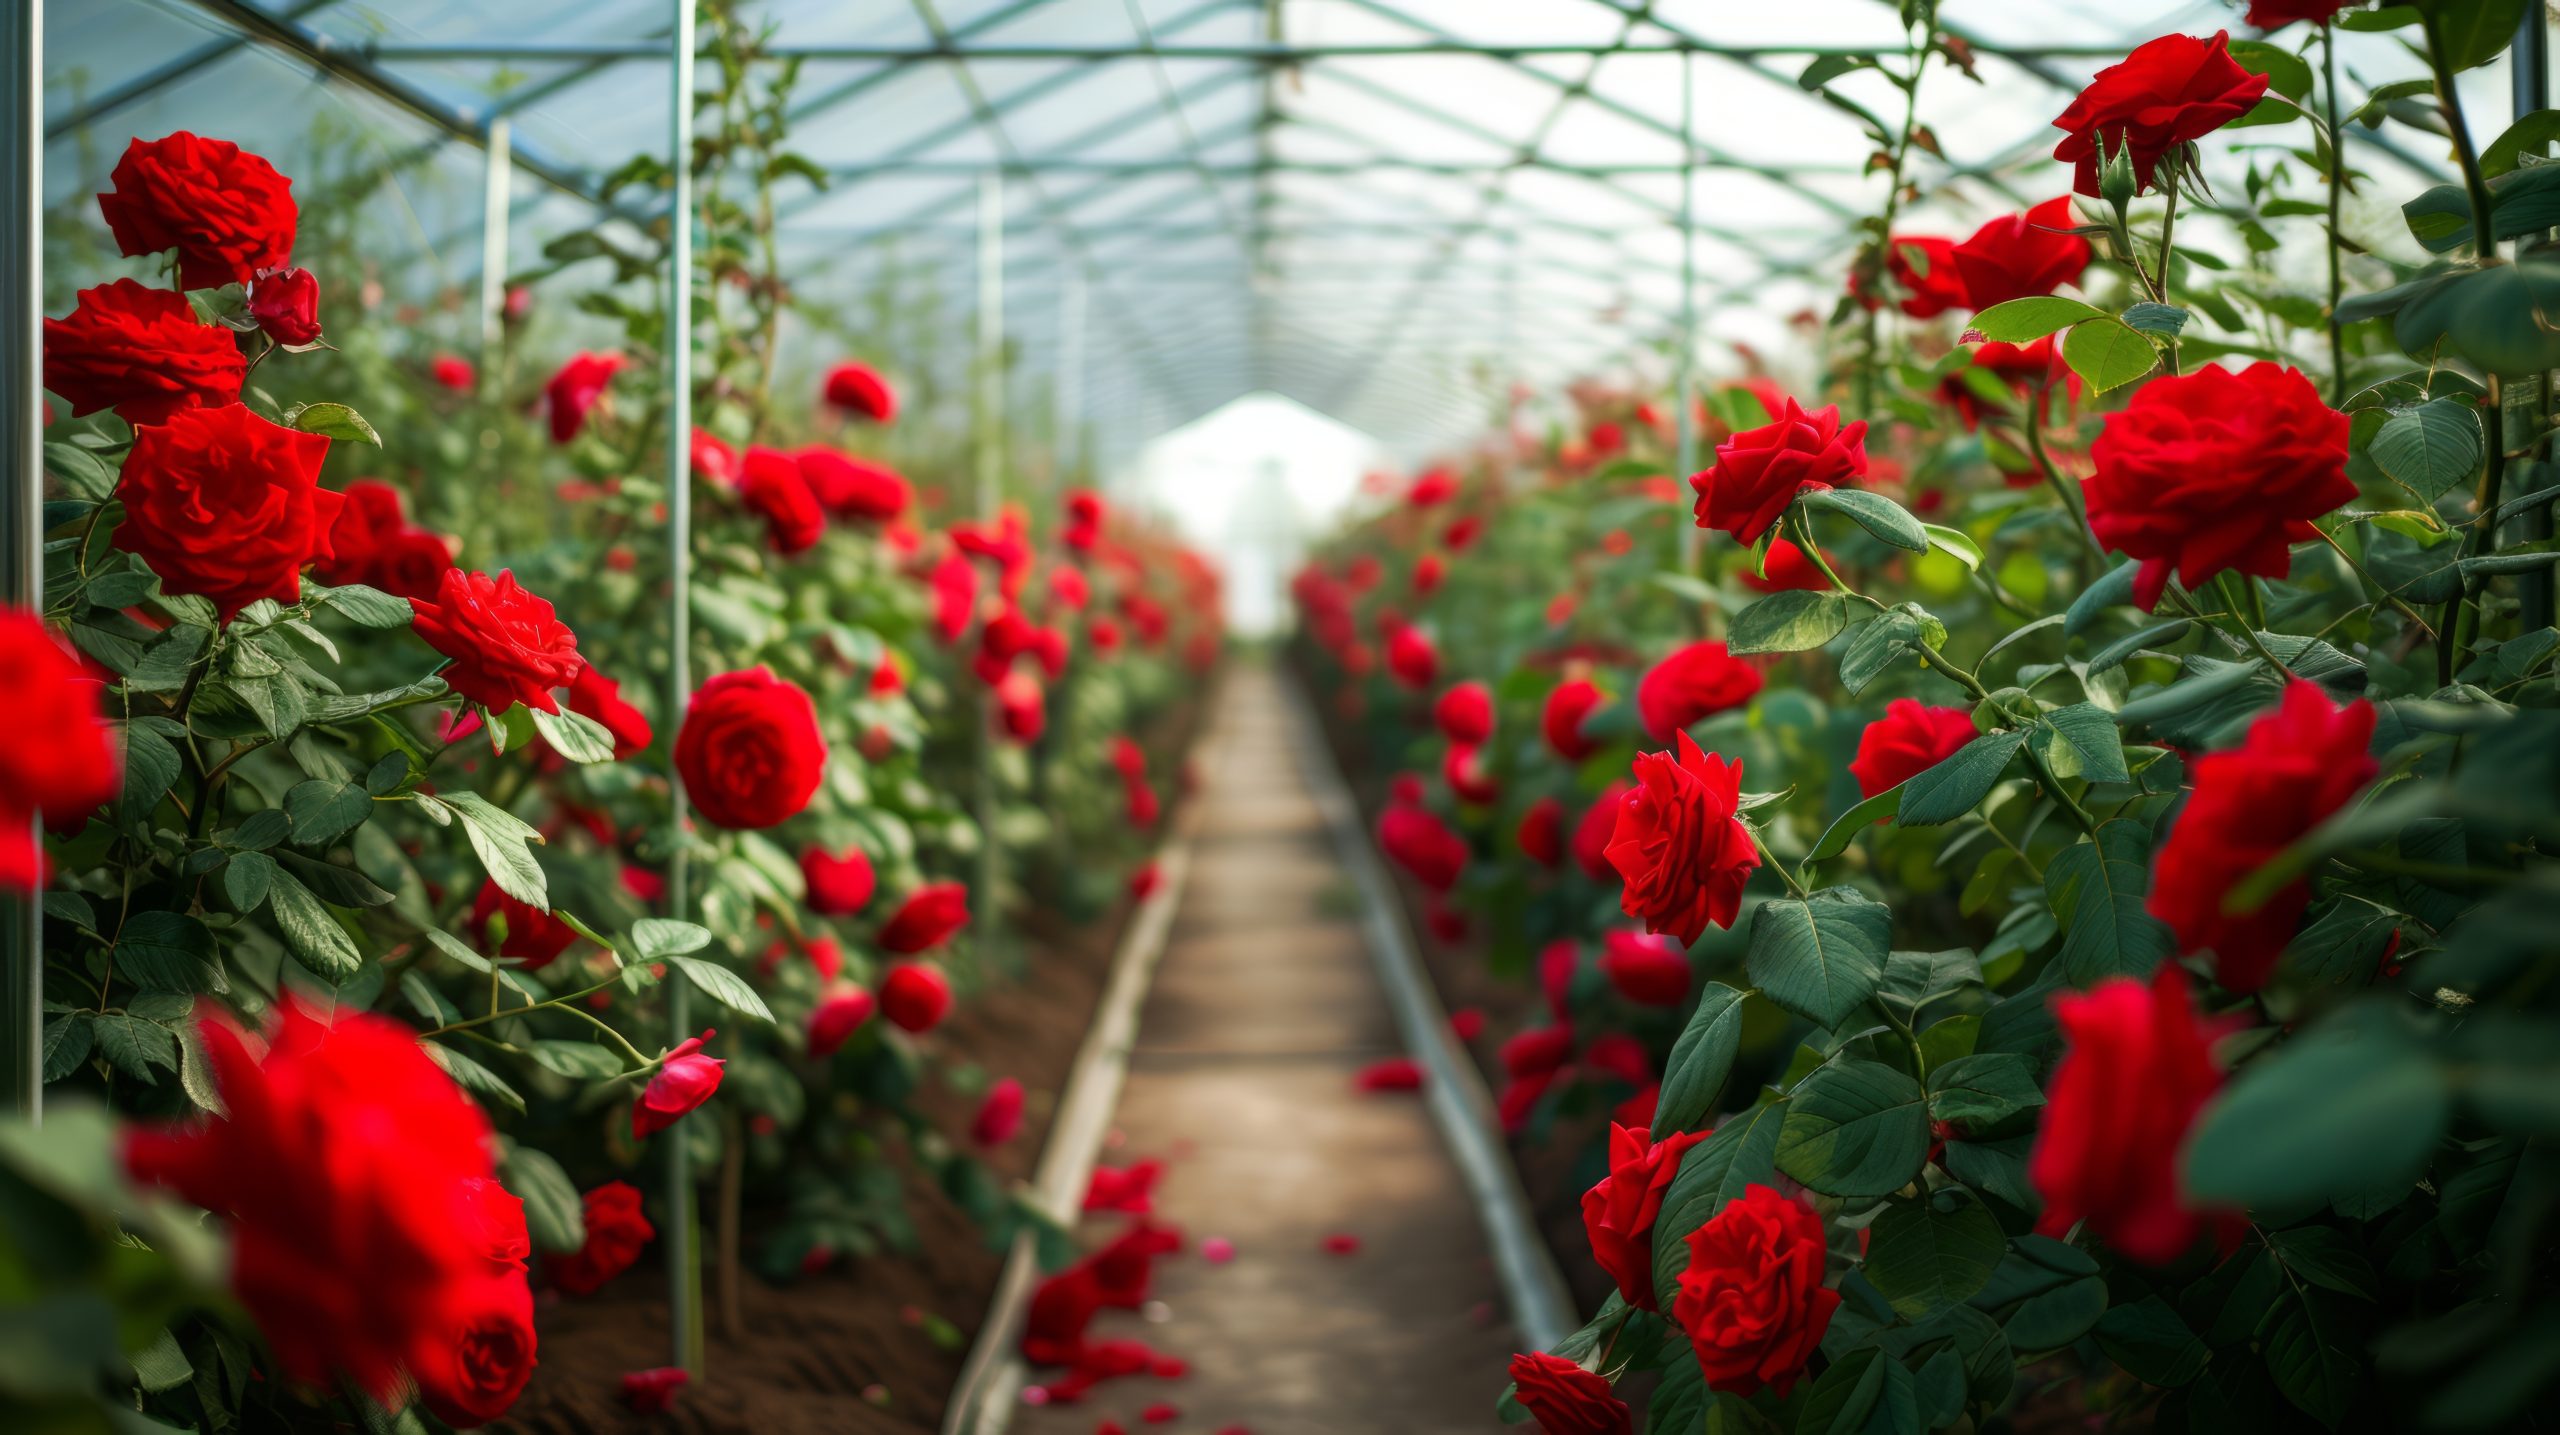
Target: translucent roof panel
1388	209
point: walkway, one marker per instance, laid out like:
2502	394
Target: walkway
1264	1010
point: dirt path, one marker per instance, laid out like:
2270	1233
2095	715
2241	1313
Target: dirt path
1264	1011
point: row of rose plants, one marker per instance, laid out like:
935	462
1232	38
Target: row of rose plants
2031	861
359	829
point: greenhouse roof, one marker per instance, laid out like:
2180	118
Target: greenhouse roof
1389	210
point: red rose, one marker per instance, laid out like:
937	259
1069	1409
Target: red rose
837	885
1683	853
1752	1298
286	303
1565	1398
532	933
473	1368
954	581
770	486
1561	719
711	457
859	390
1541	833
855	488
1465	714
1427	573
2276	14
1420	843
223	503
1435	486
2296	768
1693	683
1559	963
837	1017
1462	533
1539	1051
344	1166
1462	767
1411	658
2021	257
60	761
685	1080
1085	511
927	919
1618	1213
616	1234
2214	470
1646	969
595	696
1760	471
2136	1067
373	544
999	1115
2027	369
507	645
2169	92
1591	834
1022	711
1908	740
142	352
226	211
577	388
1144	882
915	996
653	1392
1925	269
749	751
454	372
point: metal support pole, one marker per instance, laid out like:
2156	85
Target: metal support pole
1684	363
2529	65
987	446
684	1275
497	197
22	512
1073	461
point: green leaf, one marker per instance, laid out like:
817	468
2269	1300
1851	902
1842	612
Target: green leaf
1855	1128
1741	1153
168	952
2310	1346
1956	544
2112	589
2023	321
2152	1343
554	1215
68	1038
310	932
134	1046
1956	786
1820	957
2082	741
723	986
2097	890
367	607
1845	828
1889	521
2473	32
2431	448
1983	1090
338	886
1923	1256
656	937
577	1060
2354	1105
1865	1390
575	736
2107	354
2535	131
322	811
1789	622
499	837
2115	653
2324	1256
150	766
333	421
1886	639
472	1076
2164	321
1700	1061
2288	74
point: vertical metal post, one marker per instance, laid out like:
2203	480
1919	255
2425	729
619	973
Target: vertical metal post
497	198
22	506
1073	461
1683	366
2529	65
987	444
684	1283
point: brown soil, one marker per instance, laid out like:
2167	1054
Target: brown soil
810	1351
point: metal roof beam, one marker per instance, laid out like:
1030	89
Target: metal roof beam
553	51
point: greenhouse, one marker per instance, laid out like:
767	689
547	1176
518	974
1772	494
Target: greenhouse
1280	717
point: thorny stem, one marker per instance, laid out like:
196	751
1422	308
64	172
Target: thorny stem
2337	197
2168	238
1922	41
2054	477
